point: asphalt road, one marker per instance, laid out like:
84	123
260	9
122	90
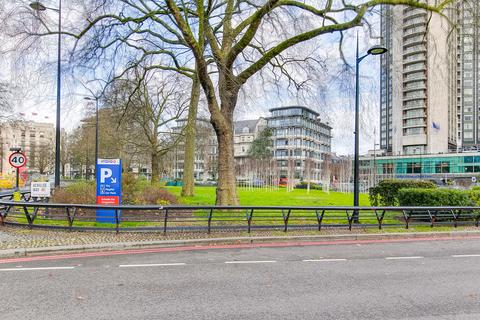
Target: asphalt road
415	280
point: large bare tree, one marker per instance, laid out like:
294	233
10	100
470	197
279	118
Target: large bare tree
224	43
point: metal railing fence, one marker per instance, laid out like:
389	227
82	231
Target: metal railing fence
172	218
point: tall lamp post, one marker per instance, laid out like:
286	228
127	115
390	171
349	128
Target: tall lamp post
96	127
374	51
38	6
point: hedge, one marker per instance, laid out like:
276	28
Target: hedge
304	185
434	197
386	192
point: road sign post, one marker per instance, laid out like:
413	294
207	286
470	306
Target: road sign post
17	160
109	187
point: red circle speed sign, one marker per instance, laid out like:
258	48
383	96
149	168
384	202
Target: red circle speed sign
17	159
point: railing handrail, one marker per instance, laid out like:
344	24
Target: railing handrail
239	207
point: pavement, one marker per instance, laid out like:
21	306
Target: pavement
22	241
359	280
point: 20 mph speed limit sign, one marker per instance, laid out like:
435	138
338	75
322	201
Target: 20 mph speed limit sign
17	159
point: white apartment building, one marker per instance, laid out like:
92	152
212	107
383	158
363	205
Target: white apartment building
34	138
418	83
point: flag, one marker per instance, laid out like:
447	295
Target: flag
435	126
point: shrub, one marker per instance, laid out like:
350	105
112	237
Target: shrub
475	188
79	192
134	191
304	185
434	197
155	195
474	195
386	192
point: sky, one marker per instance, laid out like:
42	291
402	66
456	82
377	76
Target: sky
34	94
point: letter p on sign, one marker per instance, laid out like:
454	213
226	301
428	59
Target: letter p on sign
104	174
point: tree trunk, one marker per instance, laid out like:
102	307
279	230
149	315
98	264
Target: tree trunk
190	141
155	172
226	188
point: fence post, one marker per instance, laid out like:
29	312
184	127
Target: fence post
210	214
117	222
407	218
455	217
351	217
285	218
249	219
165	222
380	218
319	219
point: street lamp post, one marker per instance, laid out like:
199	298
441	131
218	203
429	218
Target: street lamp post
375	50
96	127
38	6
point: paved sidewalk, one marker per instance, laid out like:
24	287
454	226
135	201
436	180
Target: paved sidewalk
22	241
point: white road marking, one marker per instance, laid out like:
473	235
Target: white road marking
401	258
252	261
465	255
151	265
40	268
323	260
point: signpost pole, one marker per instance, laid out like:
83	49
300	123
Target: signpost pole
16	179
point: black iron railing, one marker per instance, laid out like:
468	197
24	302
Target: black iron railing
32	213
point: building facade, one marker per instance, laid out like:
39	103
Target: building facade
461	168
205	165
418	114
36	141
300	142
468	73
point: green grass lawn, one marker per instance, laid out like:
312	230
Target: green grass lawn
280	197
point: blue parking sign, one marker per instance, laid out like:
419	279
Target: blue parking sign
109	187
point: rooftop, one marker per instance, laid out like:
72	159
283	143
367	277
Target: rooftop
242	124
295	107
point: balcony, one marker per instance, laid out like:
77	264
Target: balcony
414	31
419	57
414	49
415	86
414	96
413	116
415	67
417	40
414	77
413	14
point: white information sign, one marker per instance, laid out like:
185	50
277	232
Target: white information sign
40	189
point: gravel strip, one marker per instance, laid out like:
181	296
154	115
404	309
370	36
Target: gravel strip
12	237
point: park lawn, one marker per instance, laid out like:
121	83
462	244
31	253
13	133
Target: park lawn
279	197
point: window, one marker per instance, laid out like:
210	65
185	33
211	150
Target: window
414	167
442	167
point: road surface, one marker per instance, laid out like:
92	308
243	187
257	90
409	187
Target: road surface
412	280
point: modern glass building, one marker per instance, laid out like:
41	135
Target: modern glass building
300	141
459	167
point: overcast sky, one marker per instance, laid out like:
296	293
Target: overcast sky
330	95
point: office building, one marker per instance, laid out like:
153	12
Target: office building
299	144
300	141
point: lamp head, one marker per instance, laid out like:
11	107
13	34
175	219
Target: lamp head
377	50
37	6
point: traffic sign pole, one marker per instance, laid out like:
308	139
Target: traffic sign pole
17	179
